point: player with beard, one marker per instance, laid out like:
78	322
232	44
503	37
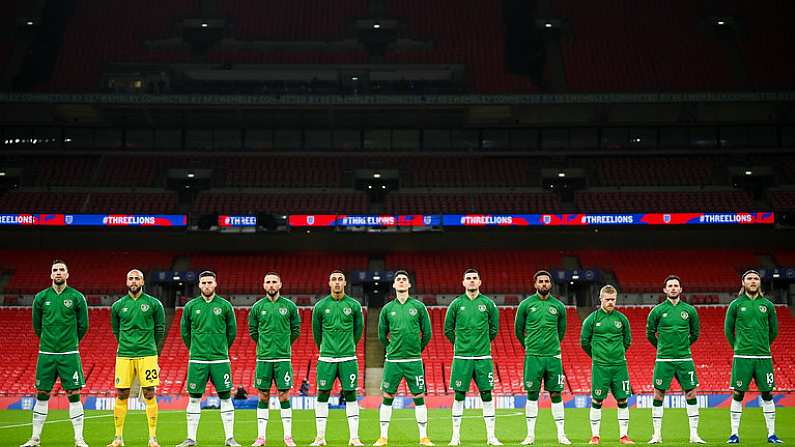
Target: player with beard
540	325
471	324
138	323
672	327
274	324
60	320
337	326
751	326
208	328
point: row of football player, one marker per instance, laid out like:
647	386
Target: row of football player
208	329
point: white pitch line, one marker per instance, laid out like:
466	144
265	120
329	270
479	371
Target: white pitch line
179	411
53	422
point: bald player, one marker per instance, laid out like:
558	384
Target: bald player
138	322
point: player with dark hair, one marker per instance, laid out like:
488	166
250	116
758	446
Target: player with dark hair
60	320
274	325
471	324
337	326
672	327
540	325
404	328
208	328
138	322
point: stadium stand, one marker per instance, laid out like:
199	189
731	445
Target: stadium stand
507	271
782	200
125	29
651	201
623	45
301	20
314	203
509	202
448	24
655	171
91	272
42	202
640	271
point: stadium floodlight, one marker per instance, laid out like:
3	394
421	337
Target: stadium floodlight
375	283
191	175
204	25
377	175
776	275
376	25
376	278
561	174
354	78
2	173
383	186
575	276
721	22
369	186
67	140
748	172
175	278
547	25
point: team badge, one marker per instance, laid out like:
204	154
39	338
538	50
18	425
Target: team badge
118	380
393	313
598	324
762	309
457	383
618	324
144	307
347	310
310	220
67	303
198	311
412	311
193	386
532	309
553	311
482	307
665	314
217	310
658	381
283	310
528	384
667	218
322	382
684	315
739	383
264	312
742	309
386	385
46	303
547	219
69	219
124	309
463	307
598	392
259	381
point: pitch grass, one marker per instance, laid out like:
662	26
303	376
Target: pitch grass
511	428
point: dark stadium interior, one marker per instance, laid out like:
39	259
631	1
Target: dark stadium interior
271	109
